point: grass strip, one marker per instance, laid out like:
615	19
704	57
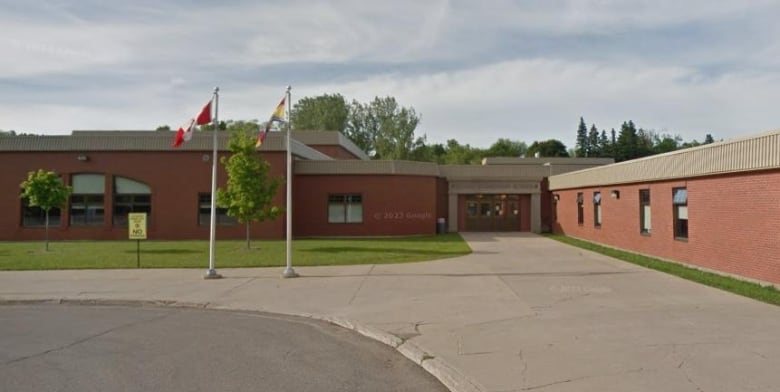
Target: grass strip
769	294
229	254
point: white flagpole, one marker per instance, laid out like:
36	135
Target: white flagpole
289	272
212	273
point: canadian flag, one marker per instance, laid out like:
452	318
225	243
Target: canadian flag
184	133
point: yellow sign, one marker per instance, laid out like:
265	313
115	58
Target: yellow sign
136	225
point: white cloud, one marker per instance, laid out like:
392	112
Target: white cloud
476	71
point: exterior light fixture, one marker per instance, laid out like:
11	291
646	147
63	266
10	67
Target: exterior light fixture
82	158
615	193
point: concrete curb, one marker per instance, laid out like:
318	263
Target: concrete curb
446	374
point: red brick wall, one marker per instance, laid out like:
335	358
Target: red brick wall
732	222
392	205
175	178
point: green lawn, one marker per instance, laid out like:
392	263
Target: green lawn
194	254
768	294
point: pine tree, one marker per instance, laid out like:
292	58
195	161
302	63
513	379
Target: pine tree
582	139
593	142
604	146
627	146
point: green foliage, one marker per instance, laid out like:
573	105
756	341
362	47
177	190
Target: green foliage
458	154
594	149
162	128
393	127
250	189
45	189
507	148
382	128
231	254
631	143
666	143
223	126
548	148
768	294
581	148
321	113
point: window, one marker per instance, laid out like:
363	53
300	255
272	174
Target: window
36	216
86	201
680	206
204	212
580	209
130	196
644	211
471	208
597	209
345	209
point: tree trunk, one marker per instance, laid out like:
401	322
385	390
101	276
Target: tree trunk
46	230
247	236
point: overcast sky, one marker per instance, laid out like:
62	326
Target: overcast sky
475	71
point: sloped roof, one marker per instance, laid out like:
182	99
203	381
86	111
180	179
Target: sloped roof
759	152
83	141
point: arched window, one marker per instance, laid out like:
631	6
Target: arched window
130	196
86	202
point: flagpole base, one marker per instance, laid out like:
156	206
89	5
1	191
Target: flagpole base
212	274
289	272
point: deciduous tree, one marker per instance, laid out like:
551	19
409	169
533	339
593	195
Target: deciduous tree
250	189
45	189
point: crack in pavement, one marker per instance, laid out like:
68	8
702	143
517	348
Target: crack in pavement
88	338
362	281
542	386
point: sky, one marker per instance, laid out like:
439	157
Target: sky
475	71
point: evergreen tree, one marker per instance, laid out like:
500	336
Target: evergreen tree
626	147
581	149
604	146
708	139
593	142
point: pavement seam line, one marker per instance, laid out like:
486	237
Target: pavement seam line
449	376
360	286
85	339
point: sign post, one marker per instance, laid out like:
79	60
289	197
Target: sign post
136	230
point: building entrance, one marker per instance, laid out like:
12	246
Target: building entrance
493	213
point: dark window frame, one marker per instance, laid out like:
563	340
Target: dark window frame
35	217
580	209
680	200
125	203
347	202
94	209
204	212
644	201
597	209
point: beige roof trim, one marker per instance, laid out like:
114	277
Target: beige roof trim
759	152
586	162
367	167
83	141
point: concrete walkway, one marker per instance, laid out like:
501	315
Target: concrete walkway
522	313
